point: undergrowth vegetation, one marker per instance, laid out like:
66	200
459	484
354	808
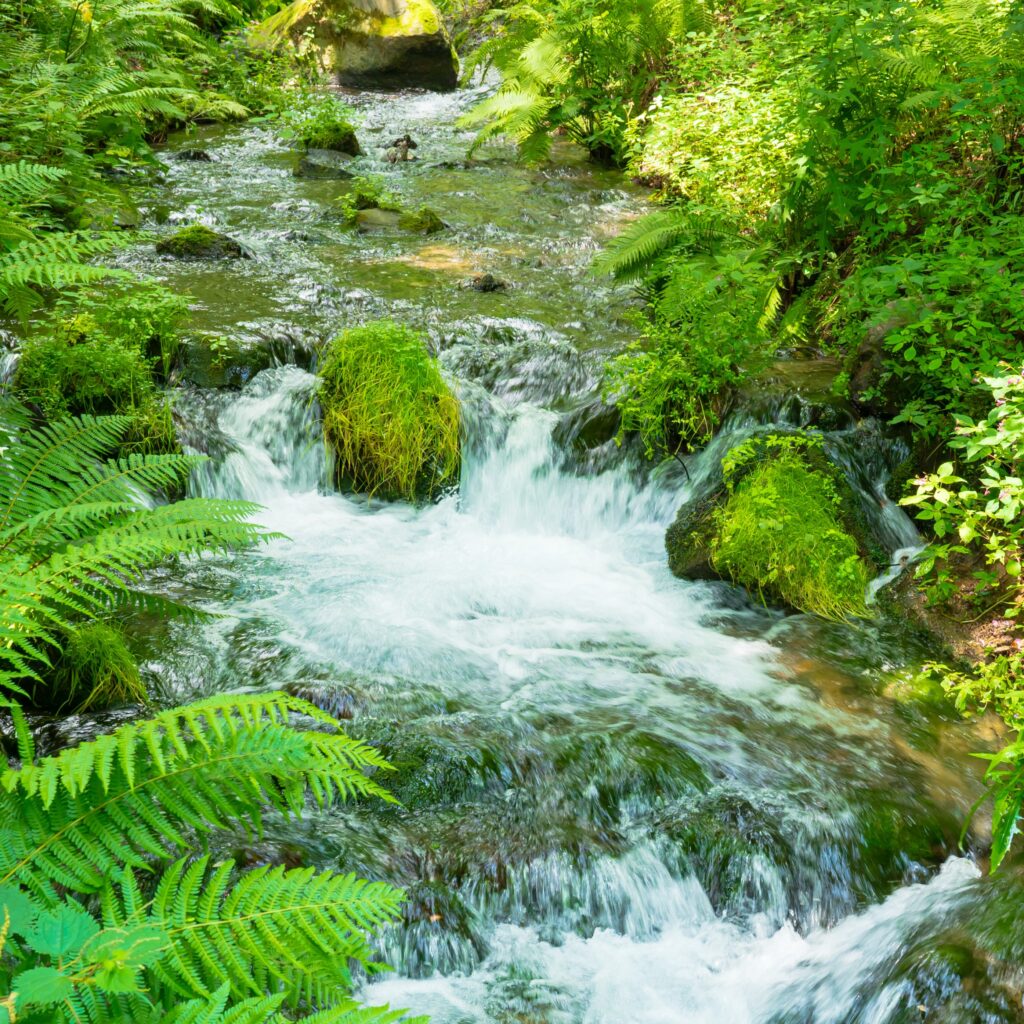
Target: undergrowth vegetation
390	420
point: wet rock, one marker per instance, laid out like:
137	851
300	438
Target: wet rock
487	283
691	539
376	44
688	539
376	219
338	699
199	242
193	155
400	150
219	362
423	221
323	165
870	387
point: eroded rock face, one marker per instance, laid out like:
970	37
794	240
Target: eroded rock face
381	44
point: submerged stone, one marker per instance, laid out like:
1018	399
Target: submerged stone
219	362
323	164
199	242
193	155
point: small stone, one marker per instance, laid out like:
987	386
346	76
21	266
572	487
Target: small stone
487	283
200	156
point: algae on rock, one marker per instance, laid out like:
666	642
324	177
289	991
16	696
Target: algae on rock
390	420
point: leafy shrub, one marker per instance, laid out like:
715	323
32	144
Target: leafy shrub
322	122
955	301
983	510
145	313
389	417
712	300
79	368
582	69
780	532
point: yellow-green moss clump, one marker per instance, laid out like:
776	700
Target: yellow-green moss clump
390	419
780	531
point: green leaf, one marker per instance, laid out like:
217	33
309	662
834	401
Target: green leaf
61	932
20	909
42	986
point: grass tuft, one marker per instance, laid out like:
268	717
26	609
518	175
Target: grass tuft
389	418
96	670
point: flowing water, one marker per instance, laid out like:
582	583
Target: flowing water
626	799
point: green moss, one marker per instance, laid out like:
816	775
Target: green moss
389	418
780	532
198	242
97	670
424	221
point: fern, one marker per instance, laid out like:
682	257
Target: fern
75	536
207	942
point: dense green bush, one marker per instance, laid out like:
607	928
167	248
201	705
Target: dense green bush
581	68
780	533
389	417
76	367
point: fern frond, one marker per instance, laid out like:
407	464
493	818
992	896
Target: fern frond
267	928
77	818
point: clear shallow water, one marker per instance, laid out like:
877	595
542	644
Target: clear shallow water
625	798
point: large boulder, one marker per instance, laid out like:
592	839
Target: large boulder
377	44
782	522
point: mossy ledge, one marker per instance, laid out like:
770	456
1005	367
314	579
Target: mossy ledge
782	524
199	242
390	420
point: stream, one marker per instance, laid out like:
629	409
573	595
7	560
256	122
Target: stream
626	799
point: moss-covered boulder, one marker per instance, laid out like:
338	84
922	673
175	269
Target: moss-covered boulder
423	221
784	524
389	418
382	44
214	361
199	242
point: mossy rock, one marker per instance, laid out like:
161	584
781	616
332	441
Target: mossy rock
390	420
377	44
784	524
218	362
423	221
375	219
199	242
338	137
